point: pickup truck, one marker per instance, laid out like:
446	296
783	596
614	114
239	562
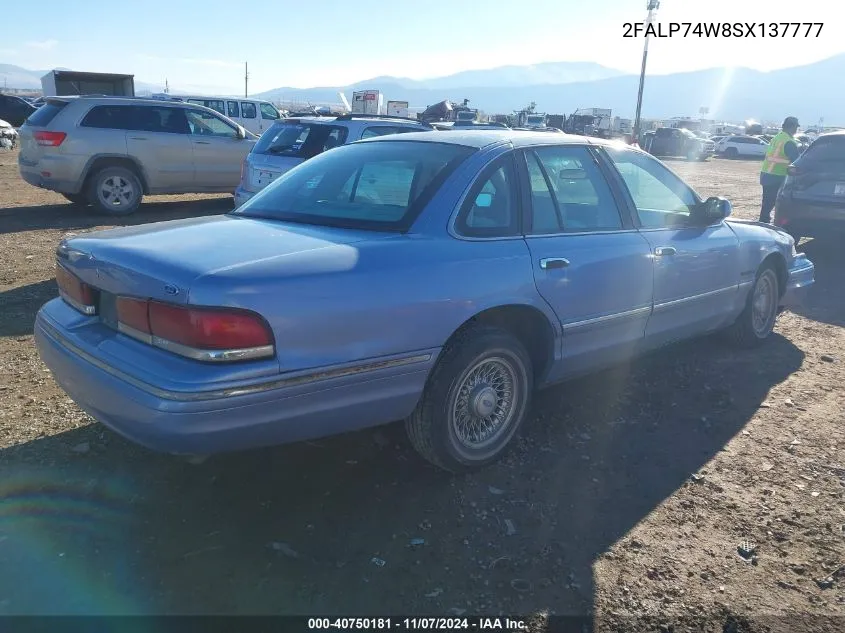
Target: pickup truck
670	141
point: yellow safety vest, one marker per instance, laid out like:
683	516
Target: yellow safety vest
776	161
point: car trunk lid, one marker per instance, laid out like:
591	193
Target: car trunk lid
160	261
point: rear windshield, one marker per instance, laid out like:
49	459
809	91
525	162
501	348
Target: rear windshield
378	185
302	139
45	114
825	150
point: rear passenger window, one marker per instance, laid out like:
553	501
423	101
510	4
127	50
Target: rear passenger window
233	109
159	119
248	110
569	192
490	209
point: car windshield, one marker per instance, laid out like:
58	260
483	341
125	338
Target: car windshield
377	185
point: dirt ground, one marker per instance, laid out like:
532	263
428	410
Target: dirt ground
627	497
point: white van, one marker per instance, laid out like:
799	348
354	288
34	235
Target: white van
255	115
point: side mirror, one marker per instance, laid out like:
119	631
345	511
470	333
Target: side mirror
484	200
240	133
716	209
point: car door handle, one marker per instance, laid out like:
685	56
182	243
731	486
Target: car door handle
138	138
663	251
202	142
548	263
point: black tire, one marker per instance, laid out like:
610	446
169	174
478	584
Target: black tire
76	198
732	152
123	187
745	332
433	427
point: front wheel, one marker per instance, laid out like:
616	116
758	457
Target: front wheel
757	320
732	152
475	401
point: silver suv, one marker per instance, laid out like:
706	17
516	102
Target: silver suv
292	141
110	151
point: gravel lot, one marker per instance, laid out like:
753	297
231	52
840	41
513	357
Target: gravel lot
627	496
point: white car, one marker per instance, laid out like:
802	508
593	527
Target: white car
742	146
8	135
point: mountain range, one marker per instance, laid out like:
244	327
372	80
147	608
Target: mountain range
809	92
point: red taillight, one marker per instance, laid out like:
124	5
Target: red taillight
50	139
75	292
201	333
134	313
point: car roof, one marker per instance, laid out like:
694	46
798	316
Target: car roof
485	137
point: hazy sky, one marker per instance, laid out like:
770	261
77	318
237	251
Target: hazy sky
204	44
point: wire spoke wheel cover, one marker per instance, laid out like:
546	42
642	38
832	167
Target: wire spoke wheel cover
764	304
485	401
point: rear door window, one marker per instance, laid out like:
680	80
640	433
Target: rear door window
160	119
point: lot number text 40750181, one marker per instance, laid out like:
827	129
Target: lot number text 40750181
417	623
722	29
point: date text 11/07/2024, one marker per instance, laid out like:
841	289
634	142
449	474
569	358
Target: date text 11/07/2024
723	29
419	624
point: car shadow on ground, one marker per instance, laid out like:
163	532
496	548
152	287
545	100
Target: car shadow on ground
826	300
18	306
358	524
70	217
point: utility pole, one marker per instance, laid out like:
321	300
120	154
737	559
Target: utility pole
653	5
246	80
166	87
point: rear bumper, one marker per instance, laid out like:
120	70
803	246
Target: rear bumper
242	195
292	408
807	219
802	275
52	175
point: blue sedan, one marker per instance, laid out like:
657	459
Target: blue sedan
439	279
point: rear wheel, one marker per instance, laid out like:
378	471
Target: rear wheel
115	191
475	401
757	320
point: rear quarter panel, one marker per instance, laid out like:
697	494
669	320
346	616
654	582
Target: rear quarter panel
373	299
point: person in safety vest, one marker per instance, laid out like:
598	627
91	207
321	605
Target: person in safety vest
782	151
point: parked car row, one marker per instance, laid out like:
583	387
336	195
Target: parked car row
109	152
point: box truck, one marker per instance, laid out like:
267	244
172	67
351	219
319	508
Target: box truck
63	83
367	102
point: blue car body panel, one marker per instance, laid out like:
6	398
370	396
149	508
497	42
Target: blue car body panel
359	318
